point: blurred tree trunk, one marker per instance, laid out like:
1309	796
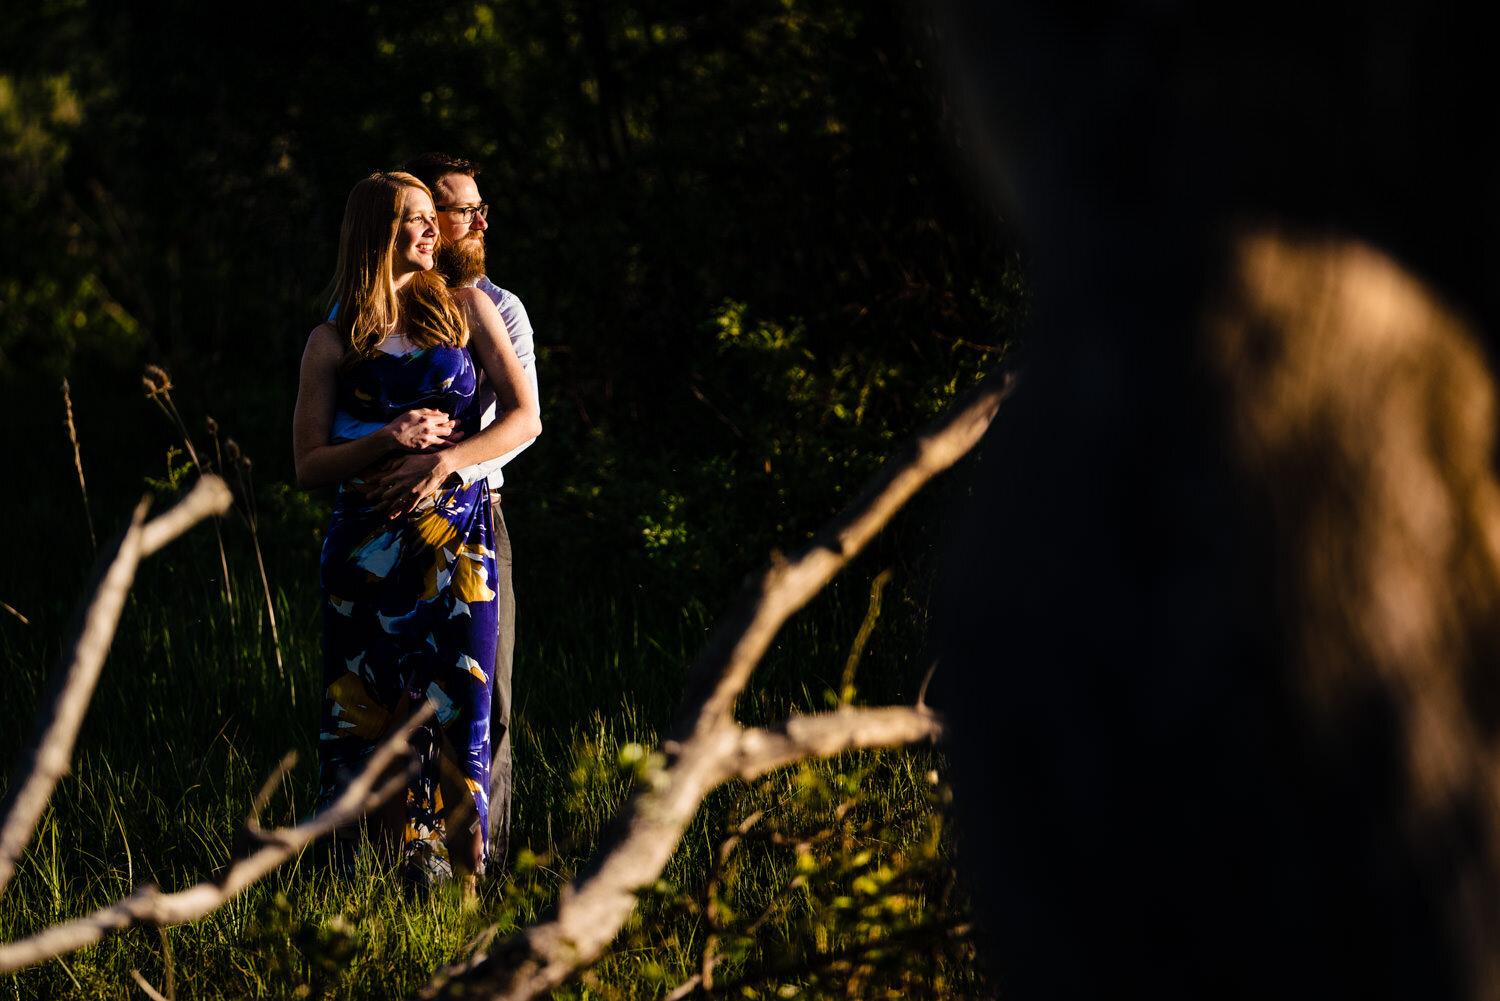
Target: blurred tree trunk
1223	621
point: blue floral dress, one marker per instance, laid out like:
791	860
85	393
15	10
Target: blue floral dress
409	611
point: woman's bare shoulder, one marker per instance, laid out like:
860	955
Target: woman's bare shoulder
484	319
471	298
325	340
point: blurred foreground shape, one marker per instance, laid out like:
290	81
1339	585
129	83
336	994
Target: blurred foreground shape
1221	619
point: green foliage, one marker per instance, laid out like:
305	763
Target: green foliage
794	429
178	476
830	880
53	305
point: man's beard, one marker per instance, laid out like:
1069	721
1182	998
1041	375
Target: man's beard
461	263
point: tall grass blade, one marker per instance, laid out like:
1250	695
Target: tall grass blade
78	465
241	463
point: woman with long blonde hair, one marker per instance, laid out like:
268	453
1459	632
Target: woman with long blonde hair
386	410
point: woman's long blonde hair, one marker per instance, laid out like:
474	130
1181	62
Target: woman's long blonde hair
370	308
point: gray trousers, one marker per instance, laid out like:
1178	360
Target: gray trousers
505	649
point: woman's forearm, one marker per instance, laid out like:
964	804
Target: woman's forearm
330	465
510	430
400	486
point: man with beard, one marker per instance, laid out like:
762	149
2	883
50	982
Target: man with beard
460	259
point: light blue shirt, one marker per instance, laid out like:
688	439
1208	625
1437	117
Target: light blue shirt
519	326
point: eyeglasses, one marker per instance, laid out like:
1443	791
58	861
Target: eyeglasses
466	213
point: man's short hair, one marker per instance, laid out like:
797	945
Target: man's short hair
430	166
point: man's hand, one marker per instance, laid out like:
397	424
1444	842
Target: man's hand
419	430
401	482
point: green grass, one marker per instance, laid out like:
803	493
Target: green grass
191	715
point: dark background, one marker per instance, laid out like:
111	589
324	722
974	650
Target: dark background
743	232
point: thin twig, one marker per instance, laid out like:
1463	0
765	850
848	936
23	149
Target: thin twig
926	681
717	412
710	957
877	587
24	620
802	844
95	620
267	790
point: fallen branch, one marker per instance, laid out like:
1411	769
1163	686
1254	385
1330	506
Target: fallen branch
95	621
708	747
150	904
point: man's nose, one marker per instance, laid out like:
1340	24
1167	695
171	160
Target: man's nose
478	223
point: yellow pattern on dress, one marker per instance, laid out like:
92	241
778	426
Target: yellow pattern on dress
469	584
354	704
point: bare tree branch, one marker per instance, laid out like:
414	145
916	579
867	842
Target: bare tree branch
708	747
37	773
826	734
148	903
209	497
723	668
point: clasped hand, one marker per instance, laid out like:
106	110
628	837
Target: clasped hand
400	482
423	430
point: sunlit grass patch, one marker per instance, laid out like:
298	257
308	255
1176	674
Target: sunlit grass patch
845	873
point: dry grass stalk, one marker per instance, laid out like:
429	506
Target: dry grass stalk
78	465
159	391
169	988
145	985
242	466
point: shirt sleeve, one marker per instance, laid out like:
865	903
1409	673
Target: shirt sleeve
518	324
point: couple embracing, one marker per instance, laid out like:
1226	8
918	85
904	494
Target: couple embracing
412	396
